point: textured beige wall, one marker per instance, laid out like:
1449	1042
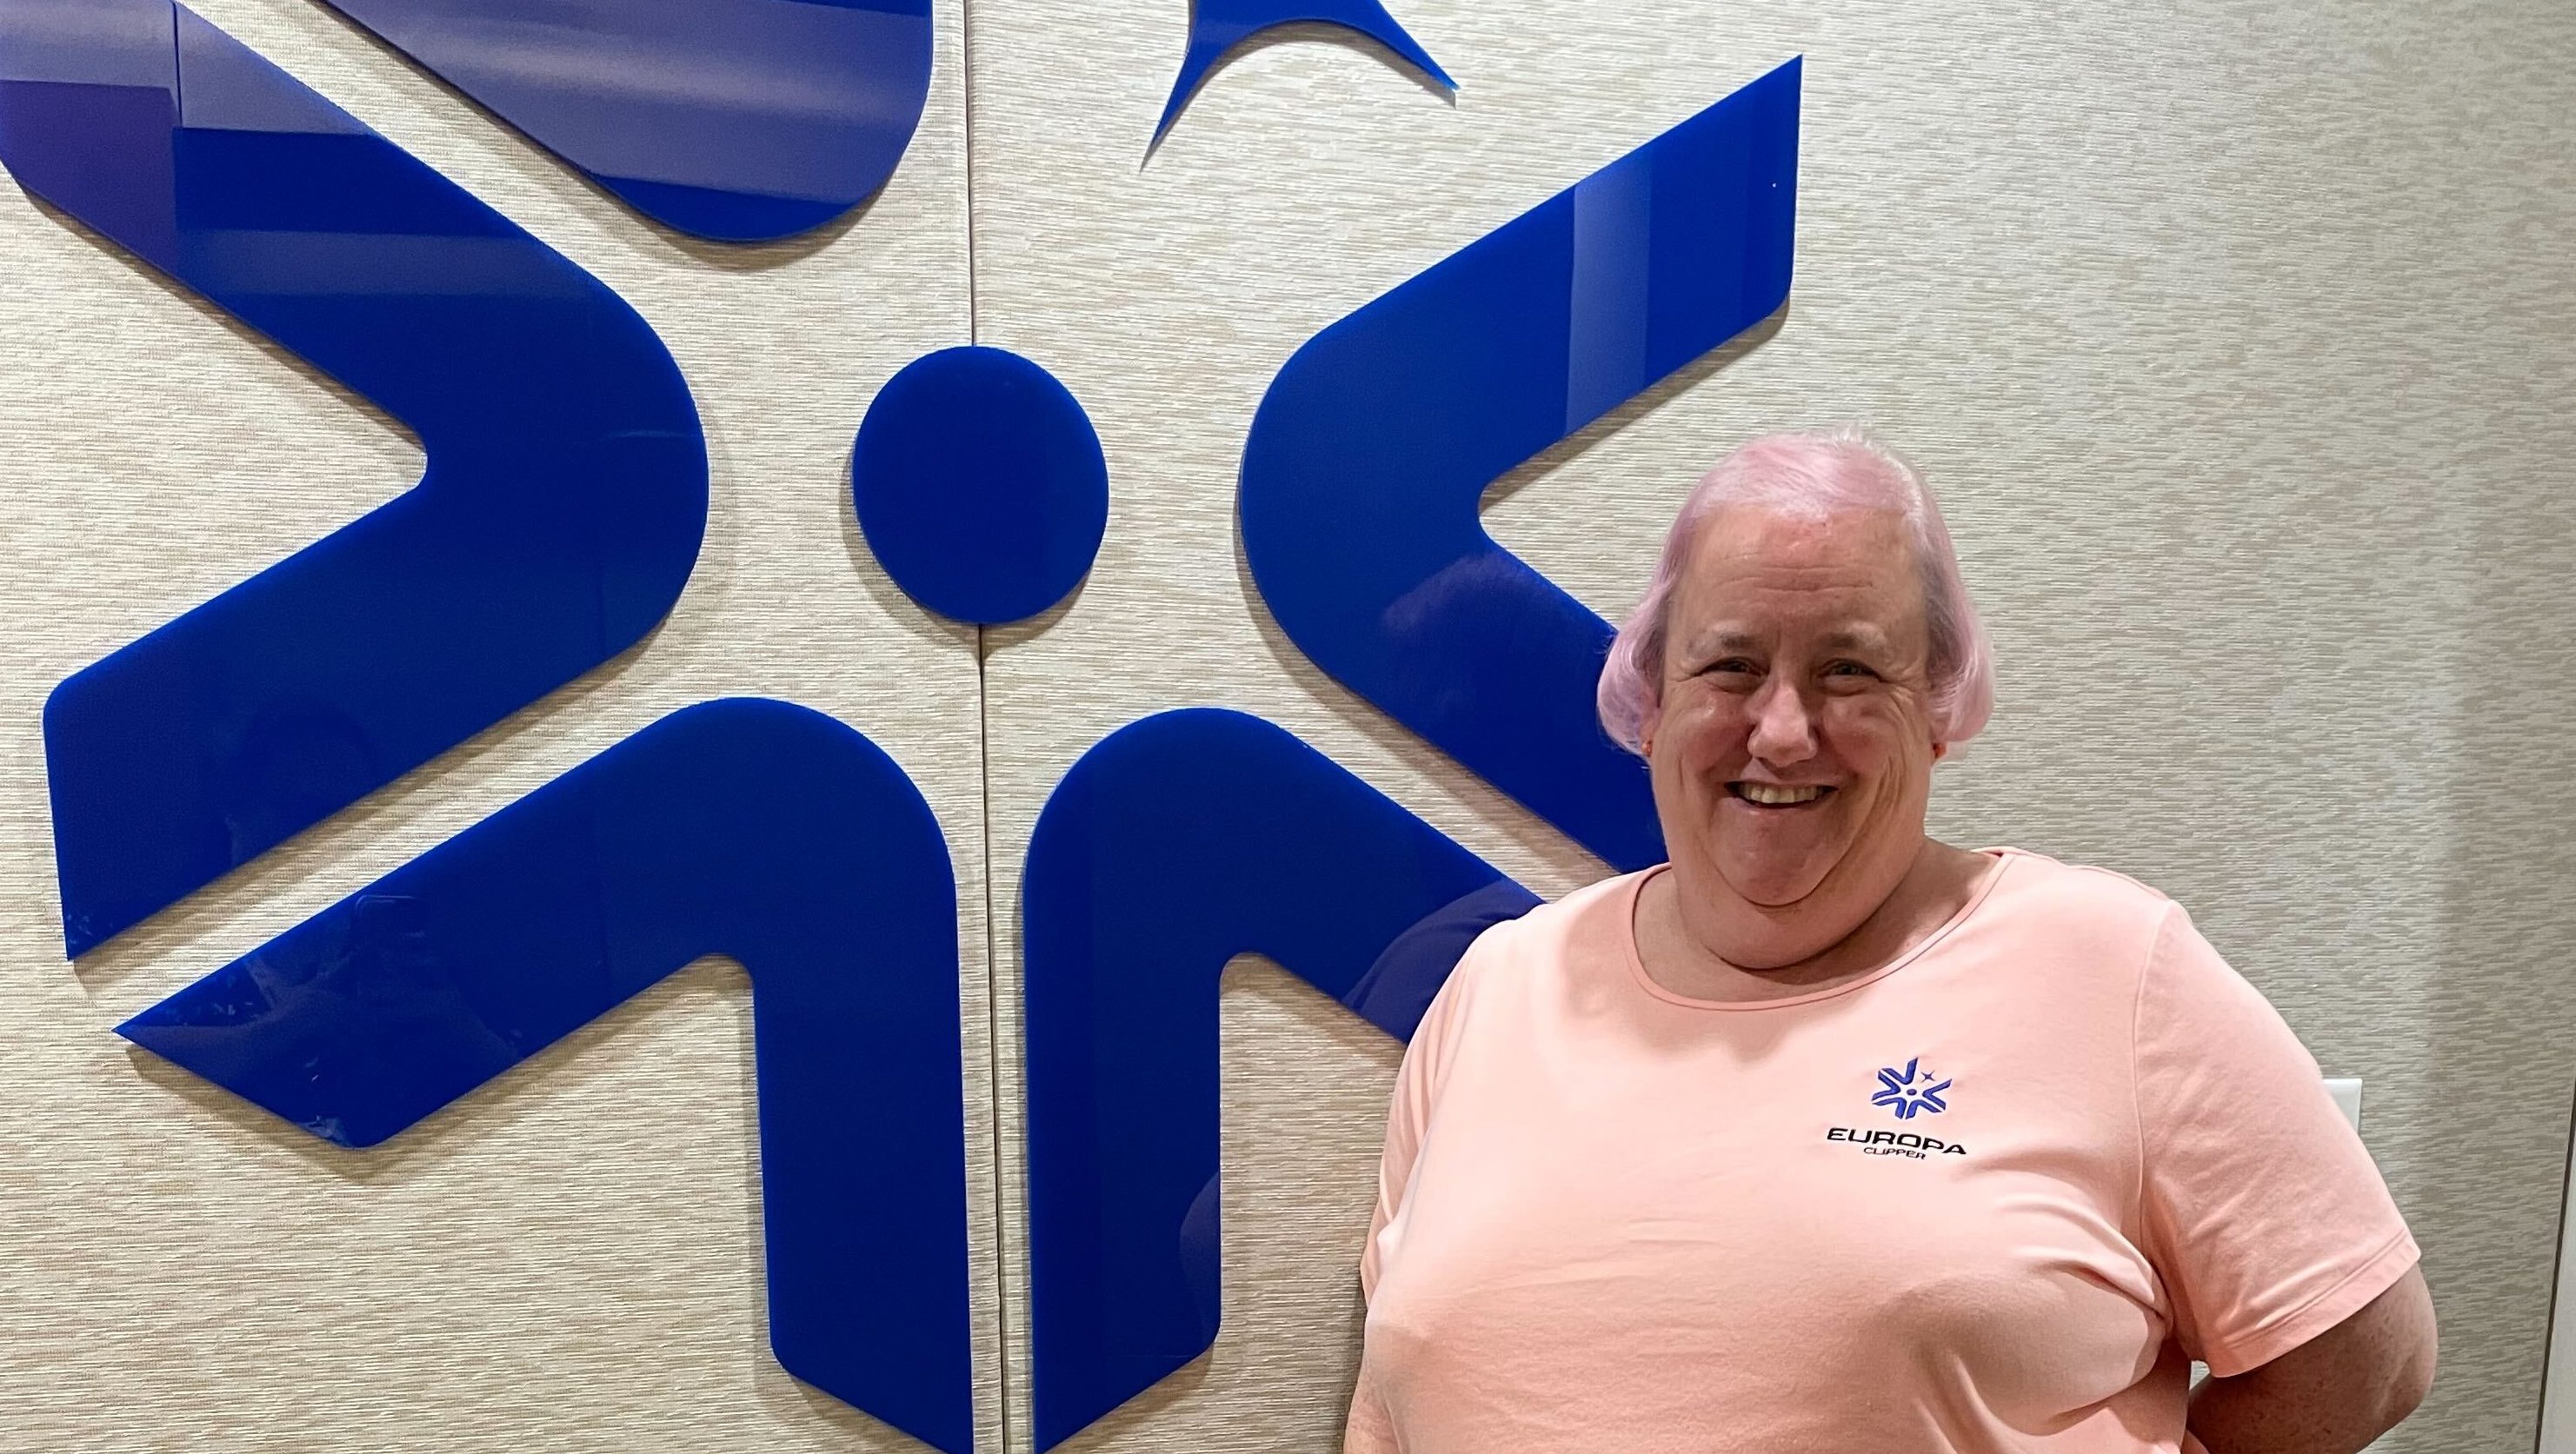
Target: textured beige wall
569	1259
2238	333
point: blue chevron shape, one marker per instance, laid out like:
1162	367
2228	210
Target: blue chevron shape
1219	26
748	828
737	120
1173	845
1367	459
561	512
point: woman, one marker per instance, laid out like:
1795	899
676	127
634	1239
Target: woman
1825	1136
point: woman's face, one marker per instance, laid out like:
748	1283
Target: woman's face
1792	753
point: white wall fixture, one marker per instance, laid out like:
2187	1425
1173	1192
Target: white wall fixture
2347	1097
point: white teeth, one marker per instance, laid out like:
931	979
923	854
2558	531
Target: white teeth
1772	795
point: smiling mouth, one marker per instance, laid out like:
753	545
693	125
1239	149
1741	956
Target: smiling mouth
1778	795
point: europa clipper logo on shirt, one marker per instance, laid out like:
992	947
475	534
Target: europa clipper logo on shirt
1911	1094
1907	1093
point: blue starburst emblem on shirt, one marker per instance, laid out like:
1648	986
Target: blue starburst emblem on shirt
1911	1092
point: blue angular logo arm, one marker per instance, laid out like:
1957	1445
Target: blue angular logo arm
1368	457
1173	845
561	512
748	828
737	120
1217	27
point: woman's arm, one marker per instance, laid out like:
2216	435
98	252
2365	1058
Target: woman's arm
2332	1394
1368	1430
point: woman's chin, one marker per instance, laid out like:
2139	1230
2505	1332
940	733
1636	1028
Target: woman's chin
1768	886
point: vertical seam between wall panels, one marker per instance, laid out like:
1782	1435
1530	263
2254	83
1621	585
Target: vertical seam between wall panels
1001	1211
993	1069
966	109
1000	1184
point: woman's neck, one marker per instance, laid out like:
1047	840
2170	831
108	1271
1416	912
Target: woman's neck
1937	885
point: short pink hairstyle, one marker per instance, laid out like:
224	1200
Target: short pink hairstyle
1811	473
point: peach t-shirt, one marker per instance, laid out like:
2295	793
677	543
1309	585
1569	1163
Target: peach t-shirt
1994	1196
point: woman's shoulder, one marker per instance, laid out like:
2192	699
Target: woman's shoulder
1590	921
1517	969
1581	917
2037	893
2057	876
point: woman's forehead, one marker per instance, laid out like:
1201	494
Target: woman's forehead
1840	580
1845	635
1753	534
1853	564
1817	634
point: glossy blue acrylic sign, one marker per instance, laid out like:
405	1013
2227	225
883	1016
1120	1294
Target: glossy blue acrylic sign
1218	26
1368	457
980	485
748	828
560	514
740	120
1175	844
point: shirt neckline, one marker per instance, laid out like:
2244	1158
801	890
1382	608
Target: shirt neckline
1627	920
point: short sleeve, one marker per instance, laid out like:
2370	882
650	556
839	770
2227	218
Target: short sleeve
1408	1112
1368	1430
2265	1217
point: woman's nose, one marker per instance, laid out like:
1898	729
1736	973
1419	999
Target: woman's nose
1783	731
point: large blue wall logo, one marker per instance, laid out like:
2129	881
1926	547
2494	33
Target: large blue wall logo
560	514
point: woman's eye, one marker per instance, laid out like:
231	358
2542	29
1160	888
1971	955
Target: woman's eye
1730	666
1849	669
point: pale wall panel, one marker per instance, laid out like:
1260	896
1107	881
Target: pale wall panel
2238	335
569	1259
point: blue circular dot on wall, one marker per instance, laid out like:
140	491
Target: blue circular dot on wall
980	485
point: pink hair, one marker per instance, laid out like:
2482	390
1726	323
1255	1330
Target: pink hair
1811	473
